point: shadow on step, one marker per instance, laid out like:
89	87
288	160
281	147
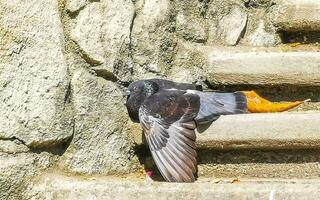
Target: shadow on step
233	163
304	38
207	156
277	92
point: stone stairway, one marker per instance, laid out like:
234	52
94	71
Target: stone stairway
250	156
254	156
279	145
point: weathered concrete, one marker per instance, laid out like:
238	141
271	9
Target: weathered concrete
297	15
261	66
263	131
248	66
259	163
61	187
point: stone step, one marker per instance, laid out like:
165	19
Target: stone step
297	15
299	163
290	130
263	67
254	66
280	145
53	186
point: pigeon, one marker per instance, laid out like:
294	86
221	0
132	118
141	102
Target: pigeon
169	113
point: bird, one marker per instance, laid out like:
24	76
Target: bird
169	112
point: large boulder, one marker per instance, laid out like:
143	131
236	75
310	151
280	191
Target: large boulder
102	31
34	84
101	141
152	36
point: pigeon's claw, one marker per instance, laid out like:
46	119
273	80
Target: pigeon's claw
257	104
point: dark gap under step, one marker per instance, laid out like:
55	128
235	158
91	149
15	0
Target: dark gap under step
207	156
276	92
301	37
211	162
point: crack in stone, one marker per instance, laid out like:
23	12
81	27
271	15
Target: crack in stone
56	149
13	138
130	34
67	97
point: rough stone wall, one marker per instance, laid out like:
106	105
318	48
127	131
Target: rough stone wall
64	64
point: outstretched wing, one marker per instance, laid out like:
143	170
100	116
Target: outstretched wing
213	104
167	119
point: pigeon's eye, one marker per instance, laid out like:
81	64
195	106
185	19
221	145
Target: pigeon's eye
135	88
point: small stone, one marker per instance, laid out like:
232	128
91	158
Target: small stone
233	25
75	5
262	38
102	32
87	33
33	108
191	28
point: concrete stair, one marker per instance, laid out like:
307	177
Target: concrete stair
291	130
278	145
58	187
282	65
263	67
297	15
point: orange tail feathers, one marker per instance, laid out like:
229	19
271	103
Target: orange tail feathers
257	104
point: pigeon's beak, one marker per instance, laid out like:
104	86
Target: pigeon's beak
126	93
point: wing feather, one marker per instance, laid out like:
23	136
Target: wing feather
213	105
170	133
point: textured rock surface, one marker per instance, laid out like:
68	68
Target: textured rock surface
189	62
88	33
104	35
12	146
75	5
17	170
233	25
192	29
262	38
152	37
101	142
33	74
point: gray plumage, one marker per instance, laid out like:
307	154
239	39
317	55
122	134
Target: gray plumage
169	113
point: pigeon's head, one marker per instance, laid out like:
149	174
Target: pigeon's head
137	92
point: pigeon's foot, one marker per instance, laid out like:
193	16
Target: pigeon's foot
257	104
